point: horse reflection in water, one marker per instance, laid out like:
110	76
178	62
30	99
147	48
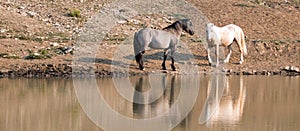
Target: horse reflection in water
221	104
150	108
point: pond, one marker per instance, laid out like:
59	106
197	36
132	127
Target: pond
157	102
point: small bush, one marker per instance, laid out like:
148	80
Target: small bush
41	54
243	5
9	56
75	13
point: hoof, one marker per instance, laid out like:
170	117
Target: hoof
142	68
241	62
173	68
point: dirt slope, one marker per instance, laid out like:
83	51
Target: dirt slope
26	27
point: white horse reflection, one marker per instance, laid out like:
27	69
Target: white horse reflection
221	105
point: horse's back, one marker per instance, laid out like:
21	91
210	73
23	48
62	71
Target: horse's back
231	31
156	39
234	28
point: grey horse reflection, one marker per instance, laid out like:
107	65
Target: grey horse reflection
227	110
157	107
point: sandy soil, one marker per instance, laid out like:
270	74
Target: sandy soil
46	29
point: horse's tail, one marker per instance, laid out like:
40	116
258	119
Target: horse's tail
243	43
136	44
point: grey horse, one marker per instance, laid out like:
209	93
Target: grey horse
165	39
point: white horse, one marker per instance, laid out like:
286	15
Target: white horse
225	36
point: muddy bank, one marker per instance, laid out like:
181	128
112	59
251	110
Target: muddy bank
65	71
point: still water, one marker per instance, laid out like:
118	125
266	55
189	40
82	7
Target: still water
262	103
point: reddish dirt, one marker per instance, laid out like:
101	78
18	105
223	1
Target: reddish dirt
271	27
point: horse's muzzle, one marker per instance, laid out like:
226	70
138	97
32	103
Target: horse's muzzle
191	32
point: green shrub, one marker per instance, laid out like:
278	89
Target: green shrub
243	5
9	56
41	54
75	13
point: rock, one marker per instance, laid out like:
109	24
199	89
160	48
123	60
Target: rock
54	44
21	7
296	69
167	20
291	69
3	30
247	73
68	50
36	54
31	13
121	21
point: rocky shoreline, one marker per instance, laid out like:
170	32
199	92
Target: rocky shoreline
65	71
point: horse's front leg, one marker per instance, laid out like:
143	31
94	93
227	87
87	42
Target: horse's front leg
173	64
208	55
228	55
172	59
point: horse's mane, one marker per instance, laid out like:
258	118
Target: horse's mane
173	28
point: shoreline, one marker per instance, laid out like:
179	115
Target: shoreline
65	71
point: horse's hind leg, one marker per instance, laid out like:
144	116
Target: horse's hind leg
139	60
241	55
166	52
228	55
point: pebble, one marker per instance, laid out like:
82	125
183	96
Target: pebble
31	13
54	44
121	21
3	30
292	69
36	54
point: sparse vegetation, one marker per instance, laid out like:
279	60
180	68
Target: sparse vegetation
9	56
75	13
199	40
116	38
243	5
58	37
41	54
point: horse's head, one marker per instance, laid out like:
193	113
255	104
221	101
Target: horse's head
209	28
181	25
187	26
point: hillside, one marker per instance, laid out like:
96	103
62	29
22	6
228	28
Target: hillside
37	38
